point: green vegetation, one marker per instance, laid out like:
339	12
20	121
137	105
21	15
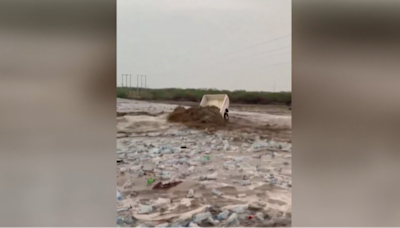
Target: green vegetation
238	96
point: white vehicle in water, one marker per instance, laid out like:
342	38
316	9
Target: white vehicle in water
221	101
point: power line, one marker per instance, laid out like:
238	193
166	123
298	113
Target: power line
256	45
241	57
281	64
270	51
247	65
277	64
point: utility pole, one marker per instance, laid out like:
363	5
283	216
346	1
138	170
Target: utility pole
145	83
130	81
141	83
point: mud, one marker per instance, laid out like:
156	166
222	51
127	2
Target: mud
197	117
120	114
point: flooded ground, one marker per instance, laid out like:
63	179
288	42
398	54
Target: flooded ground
239	175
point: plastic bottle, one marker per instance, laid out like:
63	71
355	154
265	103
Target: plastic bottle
233	220
216	192
202	216
223	215
145	209
119	197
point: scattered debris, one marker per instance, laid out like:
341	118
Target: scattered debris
152	162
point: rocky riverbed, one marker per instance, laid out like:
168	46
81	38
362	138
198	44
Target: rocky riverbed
170	175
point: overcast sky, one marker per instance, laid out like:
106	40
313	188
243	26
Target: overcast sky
221	44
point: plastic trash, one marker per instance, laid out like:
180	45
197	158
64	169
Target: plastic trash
259	146
202	216
205	159
165	224
143	225
223	215
145	209
165	176
120	220
177	224
166	150
155	151
212	221
190	193
119	197
212	176
233	220
256	205
260	216
192	224
128	220
123	209
239	209
245	182
216	192
182	160
150	181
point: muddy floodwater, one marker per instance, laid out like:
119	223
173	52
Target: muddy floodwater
172	175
